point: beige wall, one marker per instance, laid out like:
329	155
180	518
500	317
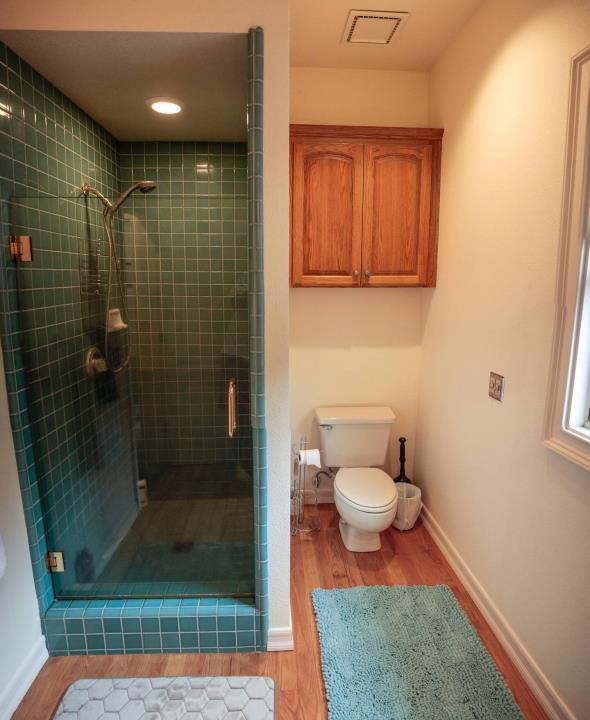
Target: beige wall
356	345
336	96
20	629
227	16
516	512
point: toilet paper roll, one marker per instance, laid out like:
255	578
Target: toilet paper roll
2	558
310	457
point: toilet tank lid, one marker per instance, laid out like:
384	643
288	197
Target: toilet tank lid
349	415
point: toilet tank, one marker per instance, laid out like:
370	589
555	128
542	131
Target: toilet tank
354	436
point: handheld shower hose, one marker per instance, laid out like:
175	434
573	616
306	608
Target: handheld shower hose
145	186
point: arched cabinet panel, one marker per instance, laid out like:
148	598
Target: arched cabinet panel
326	191
396	224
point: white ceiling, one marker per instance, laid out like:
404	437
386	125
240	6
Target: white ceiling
110	75
317	27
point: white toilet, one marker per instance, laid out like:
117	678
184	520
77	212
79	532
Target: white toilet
355	440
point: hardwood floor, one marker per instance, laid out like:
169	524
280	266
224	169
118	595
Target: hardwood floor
318	560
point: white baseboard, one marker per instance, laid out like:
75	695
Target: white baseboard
548	697
21	681
280	638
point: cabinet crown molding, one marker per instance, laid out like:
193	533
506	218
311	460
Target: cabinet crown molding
364	132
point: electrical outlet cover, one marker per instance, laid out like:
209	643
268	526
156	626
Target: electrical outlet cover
496	388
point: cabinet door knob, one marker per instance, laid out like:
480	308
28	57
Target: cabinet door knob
355	273
367	273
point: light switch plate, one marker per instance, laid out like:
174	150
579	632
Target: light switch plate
496	388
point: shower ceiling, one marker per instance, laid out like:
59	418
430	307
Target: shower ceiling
111	75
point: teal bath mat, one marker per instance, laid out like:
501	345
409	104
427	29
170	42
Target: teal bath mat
406	653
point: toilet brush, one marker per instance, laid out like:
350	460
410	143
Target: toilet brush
402	477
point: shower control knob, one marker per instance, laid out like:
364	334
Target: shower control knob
95	363
100	365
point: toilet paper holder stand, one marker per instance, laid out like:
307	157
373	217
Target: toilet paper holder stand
298	491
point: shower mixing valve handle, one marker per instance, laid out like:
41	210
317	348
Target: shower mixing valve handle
95	363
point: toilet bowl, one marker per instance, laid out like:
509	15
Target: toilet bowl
356	440
366	500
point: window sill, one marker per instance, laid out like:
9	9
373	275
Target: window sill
581	433
578	455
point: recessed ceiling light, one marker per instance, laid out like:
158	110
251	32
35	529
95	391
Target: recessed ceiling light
166	106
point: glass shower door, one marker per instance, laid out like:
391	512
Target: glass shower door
186	277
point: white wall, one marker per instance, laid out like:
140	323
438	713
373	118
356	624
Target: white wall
517	513
351	345
22	645
227	16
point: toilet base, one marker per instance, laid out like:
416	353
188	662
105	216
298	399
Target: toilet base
357	540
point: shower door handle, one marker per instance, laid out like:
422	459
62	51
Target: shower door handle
232	415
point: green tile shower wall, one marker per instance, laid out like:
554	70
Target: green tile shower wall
186	272
82	627
80	445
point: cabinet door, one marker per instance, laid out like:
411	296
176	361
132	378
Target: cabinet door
326	213
399	237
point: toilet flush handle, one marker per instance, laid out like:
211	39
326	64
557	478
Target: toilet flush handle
326	427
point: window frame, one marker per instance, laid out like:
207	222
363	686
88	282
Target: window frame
567	416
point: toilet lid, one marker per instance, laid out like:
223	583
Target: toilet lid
368	488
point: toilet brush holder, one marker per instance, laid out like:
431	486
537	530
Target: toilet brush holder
409	497
402	477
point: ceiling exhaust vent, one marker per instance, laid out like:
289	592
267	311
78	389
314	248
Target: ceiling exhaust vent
373	27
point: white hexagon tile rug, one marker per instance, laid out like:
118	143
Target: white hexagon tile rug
169	698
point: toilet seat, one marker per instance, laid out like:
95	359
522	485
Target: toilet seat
369	490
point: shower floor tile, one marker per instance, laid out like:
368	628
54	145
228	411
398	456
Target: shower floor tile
195	537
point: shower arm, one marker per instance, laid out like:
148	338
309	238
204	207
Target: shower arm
89	190
113	207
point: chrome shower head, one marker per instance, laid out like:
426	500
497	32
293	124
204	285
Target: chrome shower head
145	186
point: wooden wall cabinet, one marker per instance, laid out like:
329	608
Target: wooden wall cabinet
364	206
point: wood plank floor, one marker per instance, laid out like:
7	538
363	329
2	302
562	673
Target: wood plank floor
318	559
